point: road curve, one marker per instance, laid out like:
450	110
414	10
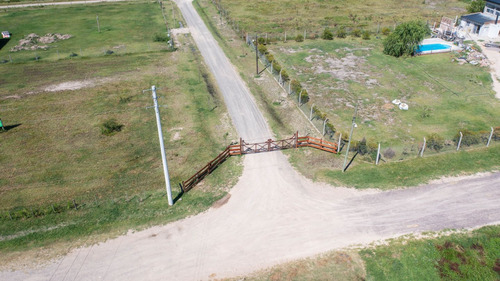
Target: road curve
274	214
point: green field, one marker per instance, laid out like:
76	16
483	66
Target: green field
312	16
118	32
55	155
472	255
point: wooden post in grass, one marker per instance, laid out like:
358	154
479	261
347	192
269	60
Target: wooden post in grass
378	155
285	36
324	125
459	141
489	139
74	204
423	148
338	144
305	35
98	25
311	113
289	88
300	97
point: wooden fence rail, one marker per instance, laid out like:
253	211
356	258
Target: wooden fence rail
247	148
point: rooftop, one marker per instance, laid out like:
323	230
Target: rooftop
479	18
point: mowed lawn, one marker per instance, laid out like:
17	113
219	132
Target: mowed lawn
127	27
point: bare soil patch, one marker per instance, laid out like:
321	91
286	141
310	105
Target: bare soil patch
35	42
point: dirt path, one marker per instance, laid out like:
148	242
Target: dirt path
274	214
493	55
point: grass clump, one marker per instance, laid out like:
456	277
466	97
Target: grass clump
110	127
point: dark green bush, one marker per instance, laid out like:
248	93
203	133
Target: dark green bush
269	57
366	35
110	127
386	31
262	49
276	66
295	86
327	34
341	32
299	38
469	138
356	32
435	141
160	37
284	75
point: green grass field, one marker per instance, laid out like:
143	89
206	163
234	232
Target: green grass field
312	16
471	255
118	33
54	151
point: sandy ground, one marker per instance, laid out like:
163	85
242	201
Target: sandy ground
493	55
273	214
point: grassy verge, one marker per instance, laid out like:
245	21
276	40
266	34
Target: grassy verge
396	174
65	183
459	256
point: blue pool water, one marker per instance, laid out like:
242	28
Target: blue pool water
432	47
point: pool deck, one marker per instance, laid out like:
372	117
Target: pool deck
439	41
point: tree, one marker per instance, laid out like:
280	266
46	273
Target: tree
405	38
476	6
341	32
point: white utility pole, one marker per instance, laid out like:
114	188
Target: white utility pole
162	146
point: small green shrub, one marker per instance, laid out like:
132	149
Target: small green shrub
72	55
341	32
389	153
160	37
327	34
269	57
366	35
295	86
469	138
299	38
262	49
284	75
110	127
304	97
356	32
261	40
386	31
276	66
435	141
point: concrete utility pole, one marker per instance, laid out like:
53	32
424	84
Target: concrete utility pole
162	146
350	136
256	54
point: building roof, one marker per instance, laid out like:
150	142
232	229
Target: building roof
478	18
494	1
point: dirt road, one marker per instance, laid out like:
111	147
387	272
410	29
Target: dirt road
274	214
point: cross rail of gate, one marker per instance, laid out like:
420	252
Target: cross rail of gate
247	148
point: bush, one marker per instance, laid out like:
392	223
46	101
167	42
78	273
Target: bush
341	33
435	141
262	49
361	147
330	129
304	96
299	38
276	66
405	38
295	86
386	31
284	75
389	153
269	57
72	55
261	40
160	37
110	127
356	32
366	35
476	6
469	138
327	34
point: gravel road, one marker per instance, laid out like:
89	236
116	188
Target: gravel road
273	214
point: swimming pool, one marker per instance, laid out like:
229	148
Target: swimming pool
431	48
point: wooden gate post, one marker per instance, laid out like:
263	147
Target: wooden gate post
241	146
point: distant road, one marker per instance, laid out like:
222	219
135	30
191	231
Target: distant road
57	3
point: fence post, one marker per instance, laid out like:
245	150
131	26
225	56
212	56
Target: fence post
280	75
324	125
285	36
459	141
300	97
489	139
338	145
241	146
423	149
289	88
311	114
271	67
305	34
378	155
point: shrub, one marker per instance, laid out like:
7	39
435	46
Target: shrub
276	66
284	75
160	37
327	34
435	141
109	52
361	147
469	138
269	57
110	127
304	96
405	38
330	129
386	31
356	32
341	33
72	55
295	85
299	38
496	134
261	40
476	6
389	153
262	49
366	35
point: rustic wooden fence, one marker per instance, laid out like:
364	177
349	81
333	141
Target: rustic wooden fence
247	148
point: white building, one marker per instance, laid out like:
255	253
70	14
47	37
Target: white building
485	24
